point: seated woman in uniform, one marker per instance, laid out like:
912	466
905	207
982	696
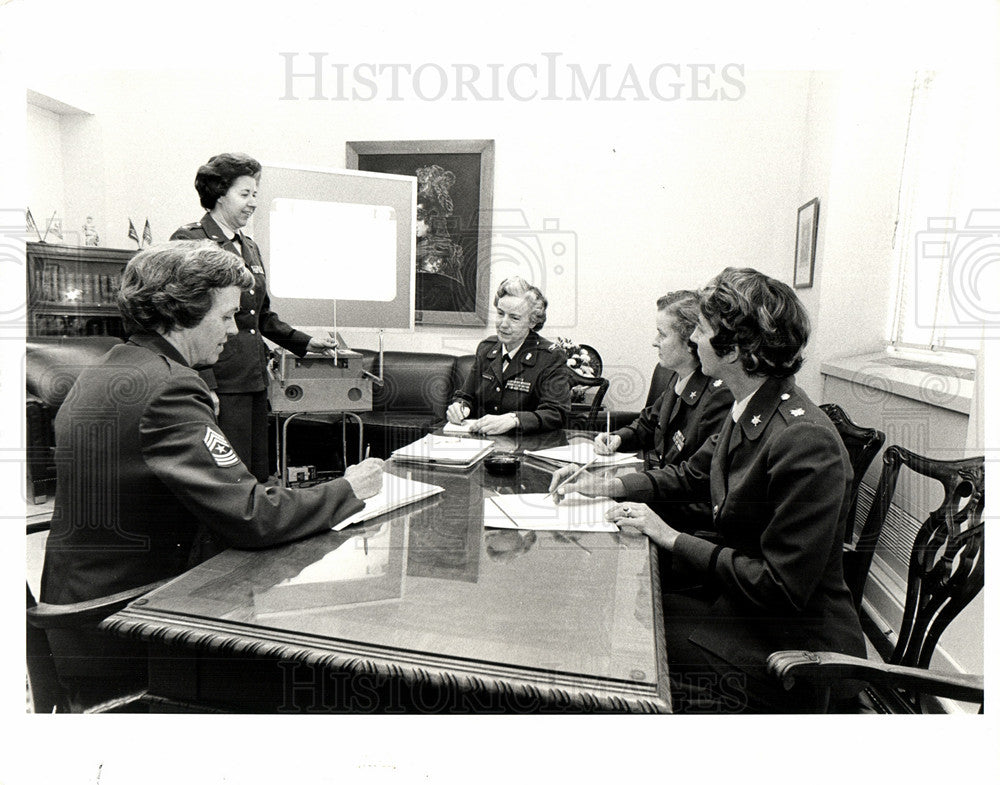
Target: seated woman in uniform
169	489
778	479
519	379
691	408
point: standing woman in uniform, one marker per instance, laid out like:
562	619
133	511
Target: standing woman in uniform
519	379
227	187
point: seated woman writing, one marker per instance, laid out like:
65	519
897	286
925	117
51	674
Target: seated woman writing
519	379
777	478
691	408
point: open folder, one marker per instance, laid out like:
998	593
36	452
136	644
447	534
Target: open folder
444	450
396	492
539	512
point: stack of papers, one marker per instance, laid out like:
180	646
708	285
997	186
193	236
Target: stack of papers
539	512
396	492
583	452
449	451
460	428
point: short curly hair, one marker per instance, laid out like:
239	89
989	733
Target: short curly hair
682	306
169	286
760	317
218	175
516	286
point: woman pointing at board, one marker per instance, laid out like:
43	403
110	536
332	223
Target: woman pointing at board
227	187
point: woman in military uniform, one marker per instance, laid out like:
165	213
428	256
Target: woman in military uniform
227	187
778	479
519	379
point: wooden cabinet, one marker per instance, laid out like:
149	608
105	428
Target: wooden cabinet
71	289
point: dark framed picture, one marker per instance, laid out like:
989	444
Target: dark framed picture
453	227
805	244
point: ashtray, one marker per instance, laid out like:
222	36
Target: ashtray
502	463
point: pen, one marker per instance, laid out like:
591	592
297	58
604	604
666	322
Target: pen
607	424
368	449
572	477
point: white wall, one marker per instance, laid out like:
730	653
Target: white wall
656	196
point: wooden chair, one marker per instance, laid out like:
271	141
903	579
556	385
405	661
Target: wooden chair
862	446
946	572
45	691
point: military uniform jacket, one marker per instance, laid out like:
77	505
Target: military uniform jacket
143	470
677	425
242	366
779	486
536	384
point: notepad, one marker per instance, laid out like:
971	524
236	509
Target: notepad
583	452
396	492
451	451
538	512
456	429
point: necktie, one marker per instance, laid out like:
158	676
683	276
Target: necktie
238	242
506	361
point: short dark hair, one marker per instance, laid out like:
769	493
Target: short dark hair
760	317
516	286
683	308
170	285
218	175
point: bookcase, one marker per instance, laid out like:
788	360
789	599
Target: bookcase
71	289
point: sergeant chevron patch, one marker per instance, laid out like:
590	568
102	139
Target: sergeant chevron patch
220	450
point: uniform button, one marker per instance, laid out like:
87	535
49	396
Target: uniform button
498	389
253	332
251	291
252	312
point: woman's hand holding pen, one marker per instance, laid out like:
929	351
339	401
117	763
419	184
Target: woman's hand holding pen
585	484
457	412
607	443
365	478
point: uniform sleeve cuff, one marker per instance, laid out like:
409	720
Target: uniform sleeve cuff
700	554
638	486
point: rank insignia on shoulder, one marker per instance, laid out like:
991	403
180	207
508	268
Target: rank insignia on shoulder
717	383
785	396
257	269
693	394
220	450
797	412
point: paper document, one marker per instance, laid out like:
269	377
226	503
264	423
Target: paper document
444	450
458	428
538	511
582	452
396	492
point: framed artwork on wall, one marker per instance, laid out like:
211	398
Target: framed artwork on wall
454	221
805	244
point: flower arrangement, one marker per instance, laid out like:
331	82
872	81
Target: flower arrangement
578	358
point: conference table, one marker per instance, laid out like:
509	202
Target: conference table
421	610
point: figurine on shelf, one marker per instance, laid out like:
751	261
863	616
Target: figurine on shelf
90	235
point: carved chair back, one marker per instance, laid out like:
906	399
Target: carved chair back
862	446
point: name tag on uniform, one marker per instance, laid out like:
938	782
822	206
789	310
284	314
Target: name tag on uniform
679	440
518	385
256	269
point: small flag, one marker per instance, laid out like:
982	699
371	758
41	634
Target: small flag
57	226
132	233
30	224
147	235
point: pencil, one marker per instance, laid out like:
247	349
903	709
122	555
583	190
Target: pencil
368	449
572	477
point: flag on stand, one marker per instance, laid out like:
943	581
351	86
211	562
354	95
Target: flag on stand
31	225
132	233
147	235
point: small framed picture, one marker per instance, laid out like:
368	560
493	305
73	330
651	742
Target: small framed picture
805	244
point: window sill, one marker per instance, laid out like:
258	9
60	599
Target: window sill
931	382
